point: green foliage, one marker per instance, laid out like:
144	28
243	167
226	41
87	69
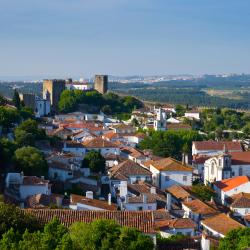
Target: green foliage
95	161
28	132
16	99
172	238
170	143
237	239
3	101
7	149
8	116
107	234
11	217
203	192
31	161
180	110
109	103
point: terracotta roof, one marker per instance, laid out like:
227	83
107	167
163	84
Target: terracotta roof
34	180
240	158
221	223
177	223
73	144
199	207
217	145
99	143
228	184
139	199
59	165
200	159
178	126
125	169
178	192
161	214
74	199
170	164
123	126
111	135
141	220
42	200
240	200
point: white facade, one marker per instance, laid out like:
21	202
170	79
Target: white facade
173	231
104	151
28	190
79	86
195	115
166	179
160	122
42	107
139	206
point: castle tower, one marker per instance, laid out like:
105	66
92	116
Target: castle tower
53	89
101	83
160	123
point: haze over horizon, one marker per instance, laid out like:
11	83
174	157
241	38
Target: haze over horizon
63	38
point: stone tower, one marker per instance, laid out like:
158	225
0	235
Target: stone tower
101	83
160	123
53	89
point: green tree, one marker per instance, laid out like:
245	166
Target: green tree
8	116
3	101
236	239
16	99
7	149
203	192
95	161
31	161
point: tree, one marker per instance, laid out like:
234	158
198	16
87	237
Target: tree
31	161
8	116
203	192
16	99
12	217
236	239
107	234
3	101
7	149
95	161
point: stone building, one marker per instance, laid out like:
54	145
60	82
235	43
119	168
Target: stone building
101	83
53	88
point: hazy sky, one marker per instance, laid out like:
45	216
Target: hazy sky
123	37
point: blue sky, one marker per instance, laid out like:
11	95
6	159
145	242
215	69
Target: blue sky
123	37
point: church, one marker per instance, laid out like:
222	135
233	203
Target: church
226	165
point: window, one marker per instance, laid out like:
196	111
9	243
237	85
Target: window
184	178
167	178
140	208
138	178
219	162
212	168
149	207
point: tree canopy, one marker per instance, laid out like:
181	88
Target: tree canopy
16	99
31	161
95	161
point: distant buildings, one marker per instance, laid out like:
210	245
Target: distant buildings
53	89
101	83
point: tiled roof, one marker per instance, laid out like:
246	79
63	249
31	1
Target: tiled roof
228	184
141	220
178	223
73	144
99	143
199	207
217	145
127	168
221	223
74	199
59	165
178	192
170	164
241	200
42	200
34	180
200	159
178	126
139	199
161	214
240	158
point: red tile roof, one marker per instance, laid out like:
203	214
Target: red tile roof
178	126
229	184
240	158
217	145
74	199
170	164
99	143
179	192
179	223
221	223
141	220
34	180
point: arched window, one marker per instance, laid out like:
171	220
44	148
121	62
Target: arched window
212	168
240	171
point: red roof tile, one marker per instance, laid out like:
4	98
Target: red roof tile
217	145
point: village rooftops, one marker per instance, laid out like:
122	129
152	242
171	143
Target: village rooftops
179	192
199	207
217	145
141	220
34	181
128	168
229	184
170	164
240	158
178	223
240	200
221	223
75	199
99	143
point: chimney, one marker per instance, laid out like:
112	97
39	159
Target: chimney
123	188
144	198
126	199
153	190
89	194
58	201
109	199
169	201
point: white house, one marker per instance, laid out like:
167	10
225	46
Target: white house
173	120
167	172
215	147
78	85
160	122
227	165
228	187
20	187
42	106
78	202
239	204
216	227
74	147
193	114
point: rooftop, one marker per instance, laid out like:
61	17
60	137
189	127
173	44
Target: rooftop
217	145
99	143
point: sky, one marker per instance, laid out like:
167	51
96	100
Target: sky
73	38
